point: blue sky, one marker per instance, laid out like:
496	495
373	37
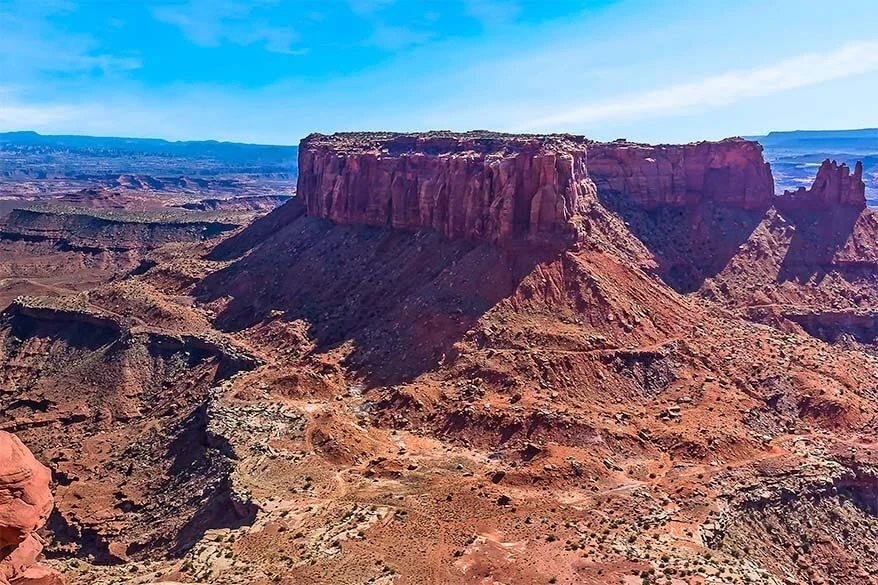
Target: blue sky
272	71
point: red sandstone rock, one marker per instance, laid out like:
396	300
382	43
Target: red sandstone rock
730	172
25	504
833	186
474	186
498	187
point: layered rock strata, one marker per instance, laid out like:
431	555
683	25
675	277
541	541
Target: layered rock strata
731	172
477	186
498	187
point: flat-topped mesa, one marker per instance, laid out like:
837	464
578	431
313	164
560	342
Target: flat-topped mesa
834	186
476	185
497	187
731	172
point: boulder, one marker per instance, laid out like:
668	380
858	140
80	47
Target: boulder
25	504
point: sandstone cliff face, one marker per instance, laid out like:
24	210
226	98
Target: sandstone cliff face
500	187
731	172
25	504
476	186
833	186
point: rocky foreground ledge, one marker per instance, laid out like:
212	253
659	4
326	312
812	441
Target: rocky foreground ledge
25	504
497	187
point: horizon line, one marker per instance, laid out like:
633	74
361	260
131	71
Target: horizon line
213	140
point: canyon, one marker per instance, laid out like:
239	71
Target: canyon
456	358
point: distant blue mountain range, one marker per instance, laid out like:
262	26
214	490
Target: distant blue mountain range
25	151
205	148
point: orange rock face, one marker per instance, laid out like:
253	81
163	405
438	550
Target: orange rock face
25	504
475	186
731	172
834	185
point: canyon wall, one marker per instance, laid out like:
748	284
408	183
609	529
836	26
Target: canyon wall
731	172
476	185
498	187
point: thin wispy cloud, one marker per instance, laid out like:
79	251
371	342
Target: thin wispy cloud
19	113
365	7
394	38
720	90
13	115
210	23
31	44
492	12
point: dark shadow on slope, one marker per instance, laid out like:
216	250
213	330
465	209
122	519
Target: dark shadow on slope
258	231
817	237
85	543
79	331
691	243
202	468
839	326
402	299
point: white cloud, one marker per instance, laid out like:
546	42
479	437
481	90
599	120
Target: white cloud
719	90
209	23
32	44
22	117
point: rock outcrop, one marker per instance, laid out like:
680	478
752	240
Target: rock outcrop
496	187
85	229
25	504
475	186
731	172
244	203
833	186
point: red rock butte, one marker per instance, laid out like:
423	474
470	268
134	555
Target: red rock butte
452	358
476	185
496	187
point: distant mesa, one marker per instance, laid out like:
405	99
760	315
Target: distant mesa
28	155
139	182
142	182
95	198
244	203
